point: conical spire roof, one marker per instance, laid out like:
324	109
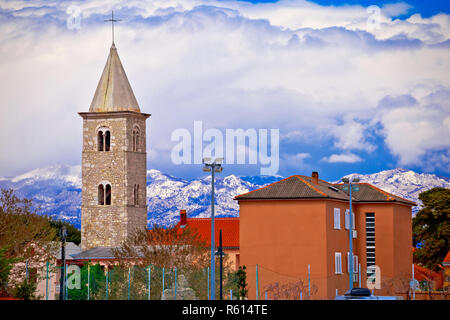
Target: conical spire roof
114	92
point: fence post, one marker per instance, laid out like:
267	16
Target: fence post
46	280
163	282
257	284
66	289
231	294
265	294
309	280
26	271
414	285
208	285
129	281
301	295
149	280
89	279
107	280
175	297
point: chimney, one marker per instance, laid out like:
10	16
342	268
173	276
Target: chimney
315	177
182	217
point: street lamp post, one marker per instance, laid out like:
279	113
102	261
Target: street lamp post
212	166
348	184
220	253
62	282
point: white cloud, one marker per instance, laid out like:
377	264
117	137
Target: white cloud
414	128
308	70
345	158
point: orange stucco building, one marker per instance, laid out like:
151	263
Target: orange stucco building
303	221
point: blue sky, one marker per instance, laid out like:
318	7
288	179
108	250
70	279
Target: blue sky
348	90
426	8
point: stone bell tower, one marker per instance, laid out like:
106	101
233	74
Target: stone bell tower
114	161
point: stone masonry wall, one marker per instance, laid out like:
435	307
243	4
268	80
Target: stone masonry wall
109	225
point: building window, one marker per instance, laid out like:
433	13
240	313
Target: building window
355	263
370	242
337	262
104	140
101	195
337	218
136	194
347	219
107	140
135	140
100	141
104	195
108	195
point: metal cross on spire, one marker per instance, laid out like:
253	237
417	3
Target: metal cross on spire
112	20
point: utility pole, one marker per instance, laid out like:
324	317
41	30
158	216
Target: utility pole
212	167
220	253
350	231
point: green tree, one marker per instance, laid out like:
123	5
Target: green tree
25	290
27	237
6	265
237	281
431	228
73	234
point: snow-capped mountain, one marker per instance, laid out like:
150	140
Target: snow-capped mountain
404	183
57	191
167	195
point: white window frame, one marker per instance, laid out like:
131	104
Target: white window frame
338	263
347	219
337	218
355	263
353	220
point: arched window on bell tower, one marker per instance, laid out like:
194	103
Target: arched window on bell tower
101	195
104	194
108	195
100	141
136	139
107	140
104	139
136	195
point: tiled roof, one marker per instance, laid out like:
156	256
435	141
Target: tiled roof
95	253
447	259
424	274
295	187
370	193
301	187
229	227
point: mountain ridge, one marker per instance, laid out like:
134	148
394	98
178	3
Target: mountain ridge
56	190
